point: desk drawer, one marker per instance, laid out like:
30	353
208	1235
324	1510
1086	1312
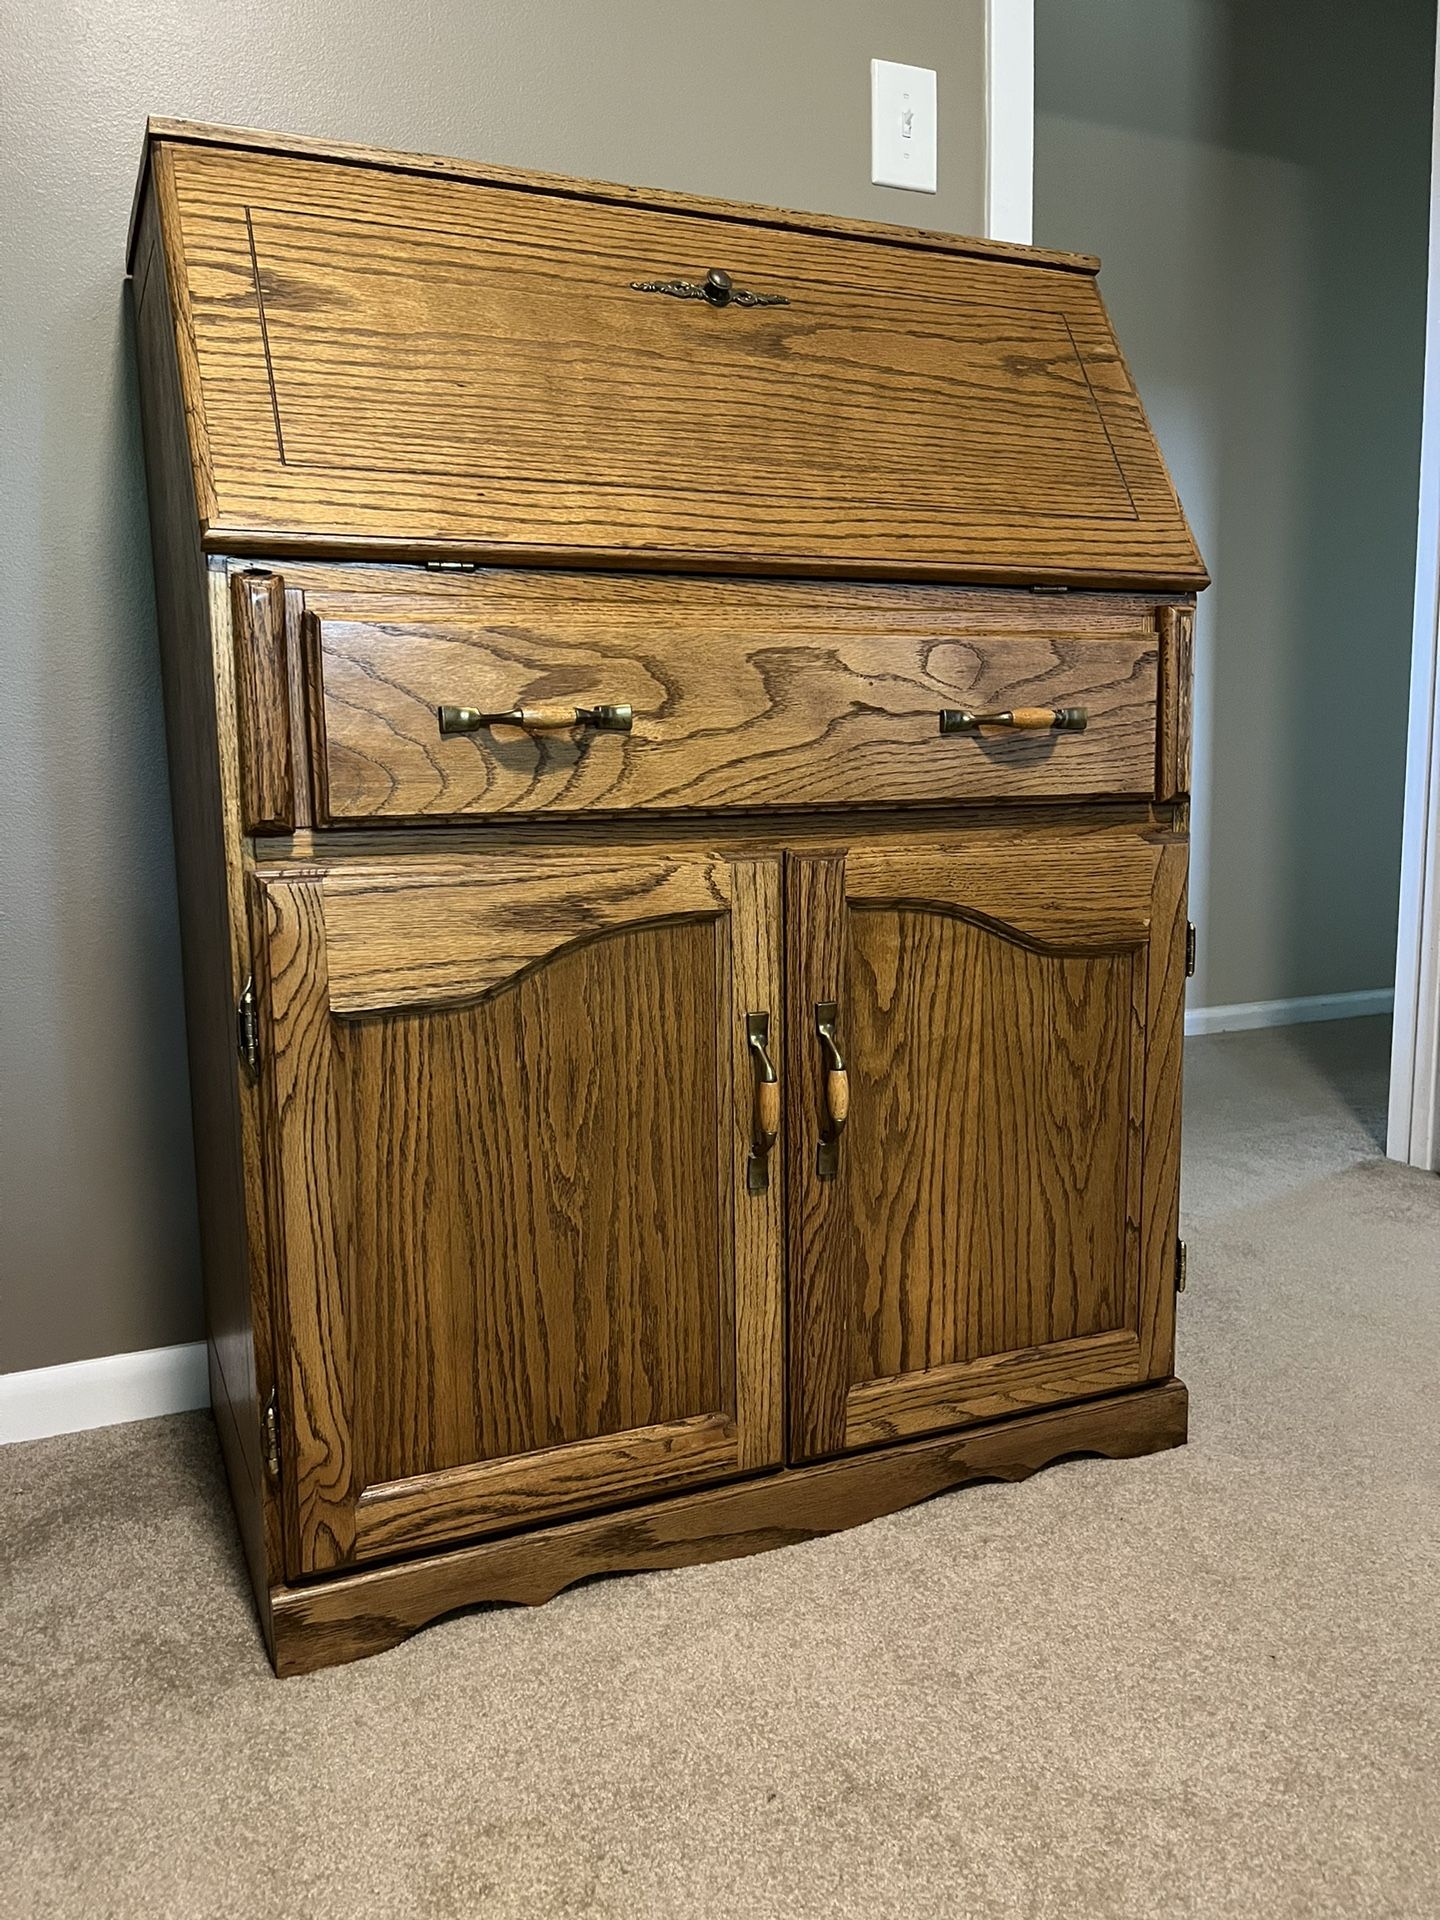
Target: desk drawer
741	695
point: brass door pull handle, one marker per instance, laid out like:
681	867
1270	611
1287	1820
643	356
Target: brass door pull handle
837	1091
766	1123
1016	719
545	717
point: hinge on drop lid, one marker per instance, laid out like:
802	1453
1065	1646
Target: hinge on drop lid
1189	949
452	566
1182	1265
272	1435
247	1026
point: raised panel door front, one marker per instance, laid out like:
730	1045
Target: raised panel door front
525	1262
989	1227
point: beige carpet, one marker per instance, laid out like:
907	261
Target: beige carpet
1205	1684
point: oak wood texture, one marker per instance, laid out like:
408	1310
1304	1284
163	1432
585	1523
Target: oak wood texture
198	678
1177	638
484	1217
814	830
398	938
979	1248
493	1496
753	694
353	1615
393	362
1164	1056
262	685
299	701
509	1131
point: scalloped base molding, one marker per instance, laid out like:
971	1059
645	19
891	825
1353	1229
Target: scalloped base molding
102	1393
1246	1014
349	1616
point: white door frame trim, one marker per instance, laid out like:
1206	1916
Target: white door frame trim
1009	120
1414	1130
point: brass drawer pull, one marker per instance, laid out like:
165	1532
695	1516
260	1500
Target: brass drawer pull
545	718
717	287
1019	719
837	1091
766	1129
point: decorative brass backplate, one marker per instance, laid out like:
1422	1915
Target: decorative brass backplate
717	287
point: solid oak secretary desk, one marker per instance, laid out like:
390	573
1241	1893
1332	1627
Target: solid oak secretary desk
679	735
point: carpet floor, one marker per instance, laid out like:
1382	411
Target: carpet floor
1201	1684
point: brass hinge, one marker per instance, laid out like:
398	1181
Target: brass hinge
1189	948
1182	1265
247	1026
452	566
272	1436
1049	589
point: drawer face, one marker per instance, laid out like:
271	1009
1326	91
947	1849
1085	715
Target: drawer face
744	694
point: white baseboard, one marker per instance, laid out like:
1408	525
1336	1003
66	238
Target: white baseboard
103	1392
1288	1013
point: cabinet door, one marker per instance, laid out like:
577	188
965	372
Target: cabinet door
993	1227
528	1259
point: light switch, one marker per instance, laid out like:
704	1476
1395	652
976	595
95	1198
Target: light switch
902	126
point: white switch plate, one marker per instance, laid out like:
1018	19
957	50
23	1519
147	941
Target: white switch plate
902	126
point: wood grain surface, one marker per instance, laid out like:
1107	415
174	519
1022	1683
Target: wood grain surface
495	1496
402	938
310	1178
392	358
262	685
1164	1043
750	694
197	660
818	1222
751	954
865	830
1177	674
980	1246
482	1218
518	1226
990	1132
1056	891
345	1618
927	1399
299	703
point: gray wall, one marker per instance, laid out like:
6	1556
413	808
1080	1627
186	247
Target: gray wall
755	99
1256	180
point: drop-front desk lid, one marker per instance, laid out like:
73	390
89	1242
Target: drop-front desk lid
393	355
